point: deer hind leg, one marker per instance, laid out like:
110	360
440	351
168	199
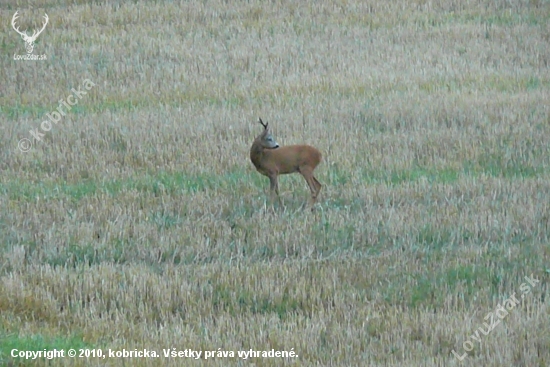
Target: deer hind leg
317	184
314	185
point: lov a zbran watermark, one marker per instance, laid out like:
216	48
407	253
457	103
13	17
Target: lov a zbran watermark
500	312
25	144
29	40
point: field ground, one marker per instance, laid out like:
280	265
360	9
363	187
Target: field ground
137	221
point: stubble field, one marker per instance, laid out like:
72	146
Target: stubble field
137	221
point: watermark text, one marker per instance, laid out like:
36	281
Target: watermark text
55	116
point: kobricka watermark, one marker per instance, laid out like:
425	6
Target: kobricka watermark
65	105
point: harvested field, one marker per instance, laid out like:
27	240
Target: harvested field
134	220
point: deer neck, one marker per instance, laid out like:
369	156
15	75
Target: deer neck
257	154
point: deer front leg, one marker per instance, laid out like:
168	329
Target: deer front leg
274	186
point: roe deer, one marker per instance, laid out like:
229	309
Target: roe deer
271	161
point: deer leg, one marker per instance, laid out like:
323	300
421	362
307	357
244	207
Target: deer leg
312	183
274	186
318	184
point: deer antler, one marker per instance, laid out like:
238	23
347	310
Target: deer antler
17	28
36	34
264	125
25	36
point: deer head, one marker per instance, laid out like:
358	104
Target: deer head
266	139
29	40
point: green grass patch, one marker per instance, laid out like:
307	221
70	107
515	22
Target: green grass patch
89	254
8	342
428	290
236	301
434	239
15	109
499	83
482	277
169	182
502	18
337	175
493	166
150	183
326	234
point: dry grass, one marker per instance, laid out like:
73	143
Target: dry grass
138	221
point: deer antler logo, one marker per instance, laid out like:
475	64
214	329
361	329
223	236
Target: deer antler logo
29	40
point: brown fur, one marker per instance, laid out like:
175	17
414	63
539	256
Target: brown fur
271	161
